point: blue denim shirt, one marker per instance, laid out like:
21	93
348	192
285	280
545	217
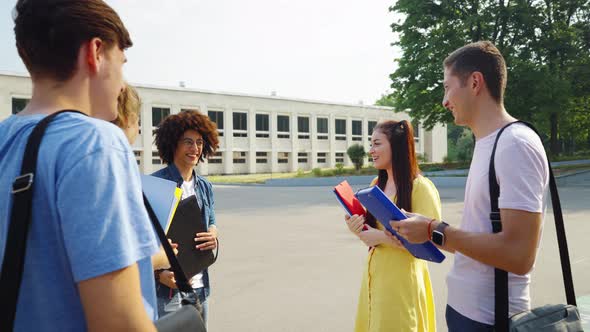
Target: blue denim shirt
204	191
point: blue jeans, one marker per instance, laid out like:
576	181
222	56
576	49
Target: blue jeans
169	300
459	323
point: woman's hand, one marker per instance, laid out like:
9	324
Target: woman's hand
208	239
373	237
167	279
355	223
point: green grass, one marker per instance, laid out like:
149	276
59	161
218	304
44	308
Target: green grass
249	178
350	171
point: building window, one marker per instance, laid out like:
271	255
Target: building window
18	104
216	158
357	130
302	157
190	109
340	129
261	157
156	158
322	124
283	126
340	157
239	157
217	117
283	158
322	157
262	125
370	126
137	154
416	127
159	114
240	124
303	127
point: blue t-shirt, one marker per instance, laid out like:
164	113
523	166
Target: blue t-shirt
88	216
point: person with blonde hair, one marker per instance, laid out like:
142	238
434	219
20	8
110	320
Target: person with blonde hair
128	110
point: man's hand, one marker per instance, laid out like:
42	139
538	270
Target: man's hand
373	237
208	239
414	229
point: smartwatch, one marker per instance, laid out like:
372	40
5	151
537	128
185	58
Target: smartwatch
438	234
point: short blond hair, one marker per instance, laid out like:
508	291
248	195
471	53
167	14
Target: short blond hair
128	105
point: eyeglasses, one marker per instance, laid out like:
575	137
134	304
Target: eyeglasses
187	142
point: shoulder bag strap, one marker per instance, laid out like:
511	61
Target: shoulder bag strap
20	220
501	276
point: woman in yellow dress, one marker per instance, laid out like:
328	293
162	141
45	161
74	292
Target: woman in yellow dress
396	293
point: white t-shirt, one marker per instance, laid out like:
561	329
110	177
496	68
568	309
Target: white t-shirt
188	190
523	176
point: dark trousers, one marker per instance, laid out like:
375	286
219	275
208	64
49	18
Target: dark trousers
459	323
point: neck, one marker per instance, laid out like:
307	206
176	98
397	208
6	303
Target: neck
489	117
185	171
50	96
390	178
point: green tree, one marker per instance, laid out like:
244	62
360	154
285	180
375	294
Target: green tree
356	153
546	44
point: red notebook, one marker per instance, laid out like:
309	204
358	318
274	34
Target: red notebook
345	196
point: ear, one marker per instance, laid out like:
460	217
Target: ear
94	54
476	82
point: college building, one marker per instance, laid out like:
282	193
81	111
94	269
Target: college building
258	134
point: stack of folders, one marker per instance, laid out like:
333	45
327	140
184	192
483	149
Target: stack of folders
384	210
351	204
163	196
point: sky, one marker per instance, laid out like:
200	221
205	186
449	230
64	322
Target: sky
327	50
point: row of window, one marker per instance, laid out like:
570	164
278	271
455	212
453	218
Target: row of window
240	124
239	157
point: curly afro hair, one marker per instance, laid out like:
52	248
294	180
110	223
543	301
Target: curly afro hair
173	127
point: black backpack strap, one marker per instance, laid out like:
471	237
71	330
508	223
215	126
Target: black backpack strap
20	220
501	276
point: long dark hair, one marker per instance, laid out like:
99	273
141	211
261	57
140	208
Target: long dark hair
403	163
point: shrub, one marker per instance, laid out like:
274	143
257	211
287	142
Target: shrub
356	153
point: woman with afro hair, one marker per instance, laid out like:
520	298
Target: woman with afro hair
183	140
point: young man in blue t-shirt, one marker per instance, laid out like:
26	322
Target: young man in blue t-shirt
87	263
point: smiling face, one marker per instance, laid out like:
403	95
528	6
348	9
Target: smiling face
380	150
457	98
188	149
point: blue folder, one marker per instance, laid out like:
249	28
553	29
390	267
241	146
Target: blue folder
383	209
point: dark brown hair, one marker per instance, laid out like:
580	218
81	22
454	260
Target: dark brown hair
173	127
49	33
403	162
485	58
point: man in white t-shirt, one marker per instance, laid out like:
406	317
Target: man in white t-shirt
474	83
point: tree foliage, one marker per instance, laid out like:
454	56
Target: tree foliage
356	153
546	44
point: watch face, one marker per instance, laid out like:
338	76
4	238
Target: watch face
438	238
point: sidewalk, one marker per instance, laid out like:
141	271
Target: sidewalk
448	179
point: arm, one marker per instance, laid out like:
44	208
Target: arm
372	237
160	260
209	238
112	302
513	249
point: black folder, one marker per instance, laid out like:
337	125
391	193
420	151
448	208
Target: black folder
187	222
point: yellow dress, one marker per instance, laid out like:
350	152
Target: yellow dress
396	294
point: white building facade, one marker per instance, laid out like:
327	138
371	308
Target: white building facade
258	134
